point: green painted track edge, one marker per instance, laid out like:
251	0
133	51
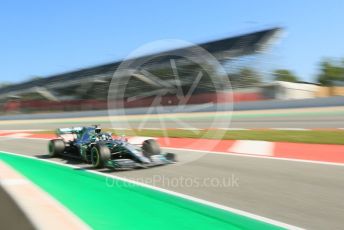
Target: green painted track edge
21	164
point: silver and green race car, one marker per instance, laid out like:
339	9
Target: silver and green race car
101	150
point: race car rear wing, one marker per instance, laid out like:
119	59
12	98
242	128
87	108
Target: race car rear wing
74	130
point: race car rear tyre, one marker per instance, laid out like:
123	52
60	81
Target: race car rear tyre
100	154
56	147
150	147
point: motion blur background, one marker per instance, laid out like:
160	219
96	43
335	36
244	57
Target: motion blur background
268	109
53	55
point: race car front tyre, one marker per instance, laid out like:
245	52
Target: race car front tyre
171	157
150	147
100	154
56	147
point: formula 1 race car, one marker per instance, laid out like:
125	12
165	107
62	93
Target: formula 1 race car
100	149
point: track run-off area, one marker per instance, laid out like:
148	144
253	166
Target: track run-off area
258	192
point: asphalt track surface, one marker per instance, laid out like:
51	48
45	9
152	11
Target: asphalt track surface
331	117
302	194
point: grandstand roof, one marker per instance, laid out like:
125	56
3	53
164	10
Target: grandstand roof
222	49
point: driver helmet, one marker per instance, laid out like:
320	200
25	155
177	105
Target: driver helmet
98	130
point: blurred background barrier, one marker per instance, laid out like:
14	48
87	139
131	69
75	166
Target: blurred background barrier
40	105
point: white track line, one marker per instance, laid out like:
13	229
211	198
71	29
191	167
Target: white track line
18	135
233	129
7	138
192	129
21	130
187	197
261	148
138	140
291	129
256	156
43	211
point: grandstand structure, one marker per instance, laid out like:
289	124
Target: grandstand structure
87	89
